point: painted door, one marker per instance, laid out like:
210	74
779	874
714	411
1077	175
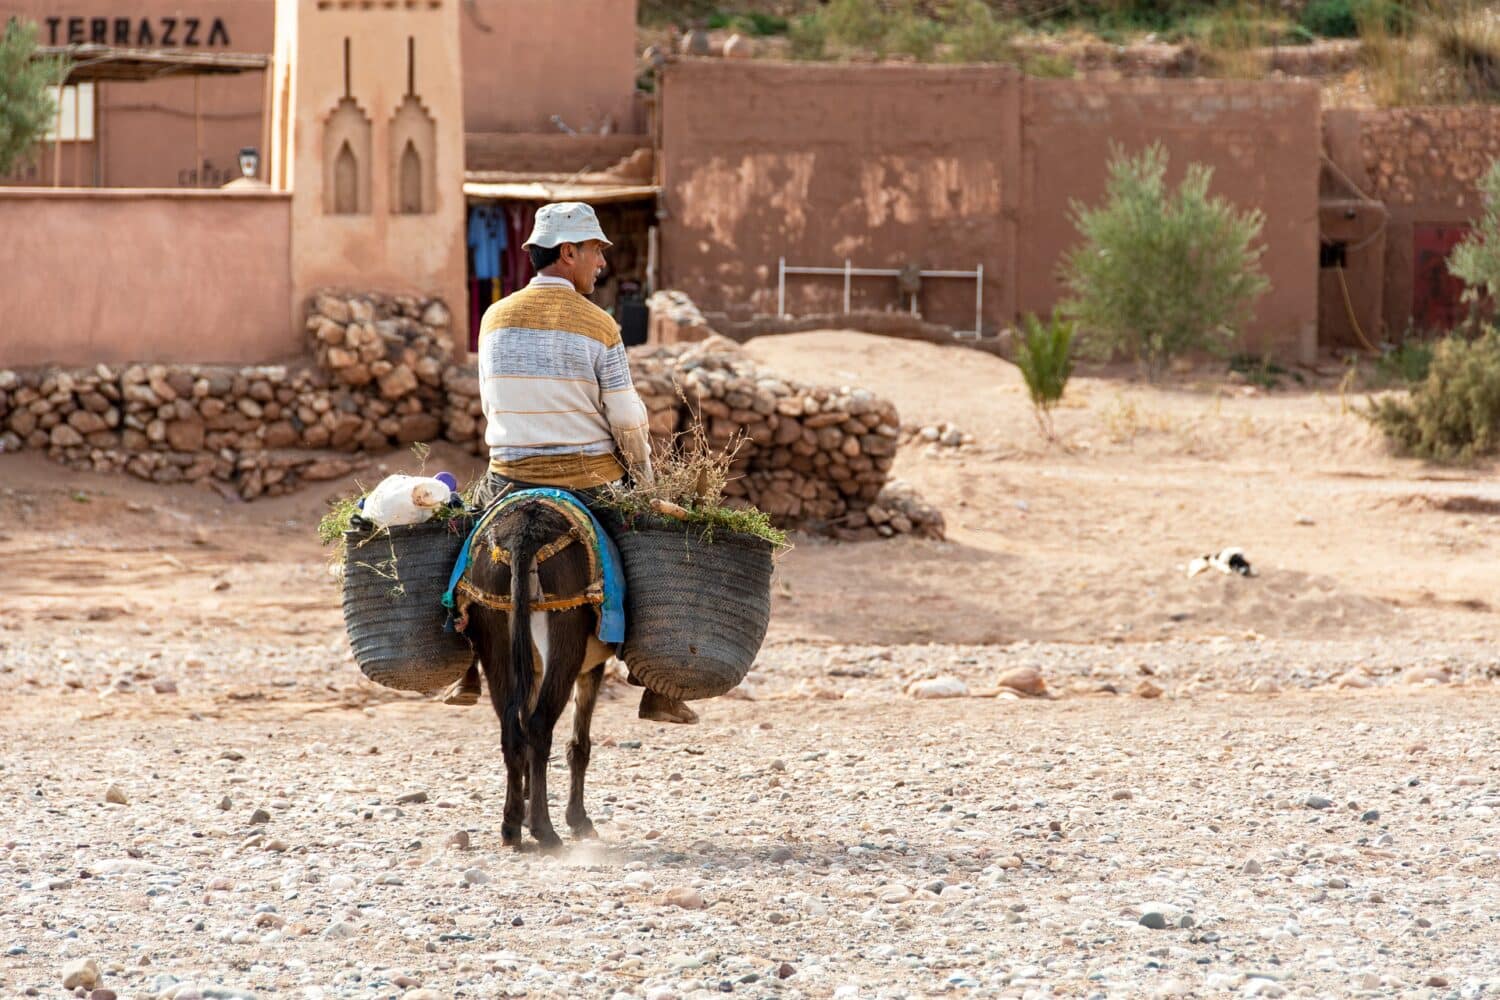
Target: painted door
1437	296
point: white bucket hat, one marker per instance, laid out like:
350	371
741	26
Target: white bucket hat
565	222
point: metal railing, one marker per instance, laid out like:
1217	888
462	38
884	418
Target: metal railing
850	272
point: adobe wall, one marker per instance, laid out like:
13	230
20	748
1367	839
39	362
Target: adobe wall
1261	140
357	109
147	276
882	165
953	166
526	61
1424	163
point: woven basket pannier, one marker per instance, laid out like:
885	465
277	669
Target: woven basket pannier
394	579
697	605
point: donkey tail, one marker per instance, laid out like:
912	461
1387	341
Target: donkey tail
522	659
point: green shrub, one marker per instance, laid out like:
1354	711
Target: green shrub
856	24
912	33
1407	362
1330	18
975	35
1454	414
1261	370
752	22
1476	261
1160	273
808	38
26	110
1045	357
1146	15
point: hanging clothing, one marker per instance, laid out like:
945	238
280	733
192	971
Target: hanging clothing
519	217
488	239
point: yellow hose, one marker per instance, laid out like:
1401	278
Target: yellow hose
1349	308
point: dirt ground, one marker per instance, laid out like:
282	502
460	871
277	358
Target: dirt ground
1293	771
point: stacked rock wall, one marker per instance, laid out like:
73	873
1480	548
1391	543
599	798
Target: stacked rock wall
817	457
378	383
812	457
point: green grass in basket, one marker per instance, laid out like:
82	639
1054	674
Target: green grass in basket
338	520
692	474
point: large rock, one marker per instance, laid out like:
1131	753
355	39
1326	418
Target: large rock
185	435
81	972
333	307
280	434
400	381
738	47
418	427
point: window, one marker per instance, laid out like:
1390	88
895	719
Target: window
1333	254
77	113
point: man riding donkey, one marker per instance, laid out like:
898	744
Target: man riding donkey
560	408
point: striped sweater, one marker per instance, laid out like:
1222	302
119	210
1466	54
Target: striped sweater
559	406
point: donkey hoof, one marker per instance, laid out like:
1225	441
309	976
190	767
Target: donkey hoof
510	835
549	843
585	830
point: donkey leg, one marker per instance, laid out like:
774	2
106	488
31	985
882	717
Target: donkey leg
587	694
514	748
540	748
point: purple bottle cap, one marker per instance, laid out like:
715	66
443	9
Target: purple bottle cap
448	480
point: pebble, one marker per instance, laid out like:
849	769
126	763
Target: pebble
412	798
115	796
1148	689
81	972
683	897
475	876
1251	867
1319	802
1154	920
939	687
1026	680
459	840
259	817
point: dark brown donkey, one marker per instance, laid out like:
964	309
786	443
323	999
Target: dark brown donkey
534	659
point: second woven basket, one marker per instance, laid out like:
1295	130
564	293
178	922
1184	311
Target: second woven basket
697	605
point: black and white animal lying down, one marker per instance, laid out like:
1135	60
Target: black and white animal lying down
1229	561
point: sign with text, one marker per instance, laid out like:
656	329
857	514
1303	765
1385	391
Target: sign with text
139	32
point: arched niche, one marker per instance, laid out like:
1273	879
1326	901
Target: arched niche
347	152
413	159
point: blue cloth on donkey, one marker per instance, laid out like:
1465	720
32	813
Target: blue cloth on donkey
606	590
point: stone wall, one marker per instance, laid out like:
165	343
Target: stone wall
817	457
1429	156
377	383
812	457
